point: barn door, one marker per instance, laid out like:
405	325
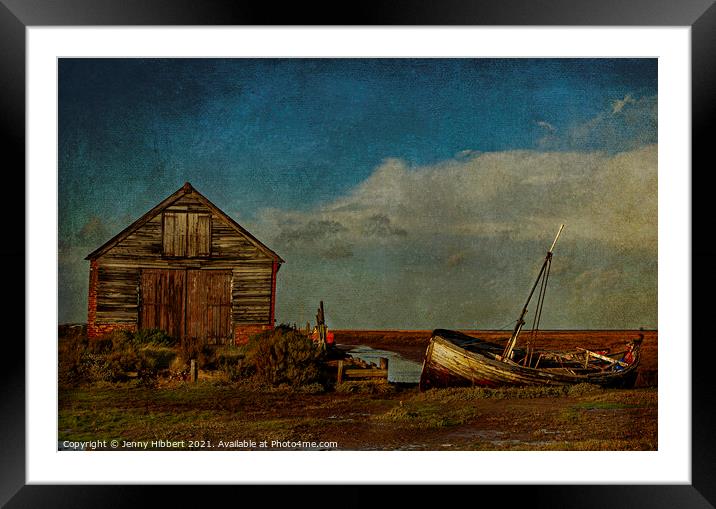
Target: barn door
192	304
162	300
208	308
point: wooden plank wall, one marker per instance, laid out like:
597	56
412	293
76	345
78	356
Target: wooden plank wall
251	293
119	268
162	300
117	294
209	306
226	243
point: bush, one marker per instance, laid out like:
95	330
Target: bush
229	360
147	370
100	345
153	337
100	368
161	357
283	355
203	353
114	355
70	356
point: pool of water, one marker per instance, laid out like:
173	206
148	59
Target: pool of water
400	369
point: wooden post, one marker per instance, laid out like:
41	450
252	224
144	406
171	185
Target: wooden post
193	372
339	377
383	363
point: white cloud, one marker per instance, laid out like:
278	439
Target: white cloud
522	194
457	243
627	124
546	125
619	104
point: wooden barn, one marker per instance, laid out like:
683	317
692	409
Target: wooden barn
187	268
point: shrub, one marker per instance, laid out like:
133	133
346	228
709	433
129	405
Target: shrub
118	363
283	355
191	349
228	359
70	354
100	345
147	370
152	337
100	368
161	357
110	357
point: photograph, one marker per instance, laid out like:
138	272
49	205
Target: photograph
450	246
357	254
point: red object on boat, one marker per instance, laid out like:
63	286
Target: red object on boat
329	338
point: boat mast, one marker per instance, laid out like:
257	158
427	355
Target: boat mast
521	320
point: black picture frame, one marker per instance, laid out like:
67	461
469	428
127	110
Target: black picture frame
700	15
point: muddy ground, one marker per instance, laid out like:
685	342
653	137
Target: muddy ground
402	419
214	414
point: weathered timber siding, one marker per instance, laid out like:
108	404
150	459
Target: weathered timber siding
144	242
226	243
96	328
187	268
162	300
208	306
116	294
251	293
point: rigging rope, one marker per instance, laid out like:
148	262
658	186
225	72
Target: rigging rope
507	324
540	300
541	305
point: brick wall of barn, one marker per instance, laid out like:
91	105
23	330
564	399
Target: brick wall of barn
243	332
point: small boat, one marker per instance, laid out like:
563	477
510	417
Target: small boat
455	359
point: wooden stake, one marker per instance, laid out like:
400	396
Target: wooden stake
193	372
339	377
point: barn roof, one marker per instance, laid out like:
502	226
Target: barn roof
185	189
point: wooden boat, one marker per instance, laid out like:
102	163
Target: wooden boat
456	359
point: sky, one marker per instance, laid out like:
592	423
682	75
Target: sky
404	193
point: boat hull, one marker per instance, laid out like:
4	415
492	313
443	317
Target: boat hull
454	359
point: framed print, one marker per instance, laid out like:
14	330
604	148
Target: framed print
386	168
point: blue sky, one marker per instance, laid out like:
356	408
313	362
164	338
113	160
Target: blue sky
301	149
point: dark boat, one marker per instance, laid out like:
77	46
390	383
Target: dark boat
456	359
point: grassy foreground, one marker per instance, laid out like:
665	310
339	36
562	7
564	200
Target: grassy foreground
214	414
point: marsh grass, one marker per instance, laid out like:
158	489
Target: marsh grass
476	393
251	409
202	411
425	416
366	387
567	445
